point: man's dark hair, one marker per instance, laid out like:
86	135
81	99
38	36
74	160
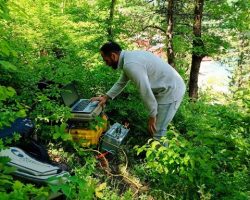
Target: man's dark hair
110	47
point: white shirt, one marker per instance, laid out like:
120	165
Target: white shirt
156	80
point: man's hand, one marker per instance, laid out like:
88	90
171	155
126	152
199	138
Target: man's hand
152	125
102	99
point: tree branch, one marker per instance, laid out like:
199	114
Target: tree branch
155	27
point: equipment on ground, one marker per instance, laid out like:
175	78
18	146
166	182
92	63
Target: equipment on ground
113	138
33	170
88	136
81	109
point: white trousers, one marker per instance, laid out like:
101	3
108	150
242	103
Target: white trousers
166	113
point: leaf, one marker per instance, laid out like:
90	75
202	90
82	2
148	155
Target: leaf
5	182
139	150
101	186
9	170
6	92
63	127
98	190
54	188
155	143
21	113
6	178
190	177
4	159
148	153
16	136
162	148
17	185
186	159
66	190
7	65
99	194
66	137
56	135
4	48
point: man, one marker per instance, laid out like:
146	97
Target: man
160	86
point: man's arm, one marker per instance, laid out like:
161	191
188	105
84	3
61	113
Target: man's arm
118	86
114	91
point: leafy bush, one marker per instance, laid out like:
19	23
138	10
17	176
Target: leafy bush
207	159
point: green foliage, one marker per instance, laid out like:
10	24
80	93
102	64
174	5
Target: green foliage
210	153
14	110
59	41
7	66
60	133
25	191
78	186
7	94
110	195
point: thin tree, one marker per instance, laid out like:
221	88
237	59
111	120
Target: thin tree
198	50
166	10
169	33
110	20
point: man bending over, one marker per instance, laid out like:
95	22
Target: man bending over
160	86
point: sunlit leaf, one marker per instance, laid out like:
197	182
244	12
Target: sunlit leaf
7	65
98	190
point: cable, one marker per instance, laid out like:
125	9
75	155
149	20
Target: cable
122	174
117	175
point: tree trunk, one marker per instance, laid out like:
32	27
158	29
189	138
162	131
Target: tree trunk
244	42
198	50
110	20
170	20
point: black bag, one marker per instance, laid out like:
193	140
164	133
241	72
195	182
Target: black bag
34	149
25	127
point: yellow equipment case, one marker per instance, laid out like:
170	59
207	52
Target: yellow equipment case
87	135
